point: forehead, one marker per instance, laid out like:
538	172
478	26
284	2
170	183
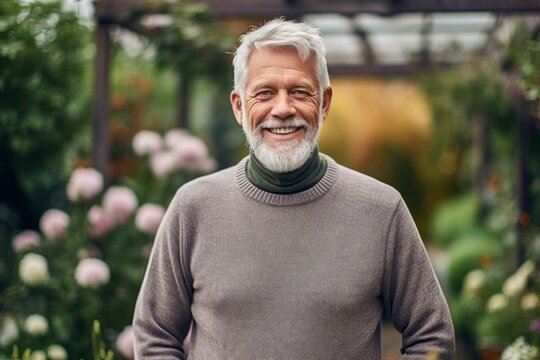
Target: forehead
279	62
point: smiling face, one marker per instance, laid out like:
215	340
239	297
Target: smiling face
281	111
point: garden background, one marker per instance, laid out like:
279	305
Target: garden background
461	142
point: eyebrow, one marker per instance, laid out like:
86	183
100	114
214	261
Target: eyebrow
259	83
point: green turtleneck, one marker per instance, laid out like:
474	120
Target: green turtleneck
292	182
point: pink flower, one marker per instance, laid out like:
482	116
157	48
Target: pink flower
162	163
84	184
124	343
119	203
54	223
92	273
190	152
207	165
146	142
100	223
149	217
174	137
25	240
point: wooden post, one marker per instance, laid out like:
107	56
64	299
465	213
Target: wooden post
523	194
184	86
481	140
101	102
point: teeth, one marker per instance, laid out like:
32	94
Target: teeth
285	130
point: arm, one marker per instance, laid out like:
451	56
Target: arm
412	294
163	310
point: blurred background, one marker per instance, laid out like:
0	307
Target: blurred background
108	106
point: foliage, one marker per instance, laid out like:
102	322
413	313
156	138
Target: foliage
88	264
524	66
520	350
453	218
473	250
194	44
509	310
42	103
459	98
42	91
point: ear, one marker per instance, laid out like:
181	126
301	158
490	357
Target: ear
236	104
326	100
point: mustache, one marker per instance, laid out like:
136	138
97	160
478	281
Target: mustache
287	122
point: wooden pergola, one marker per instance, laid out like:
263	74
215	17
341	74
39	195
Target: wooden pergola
128	14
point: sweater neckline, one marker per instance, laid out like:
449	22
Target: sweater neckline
313	193
292	182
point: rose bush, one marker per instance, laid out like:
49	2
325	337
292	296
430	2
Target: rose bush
87	261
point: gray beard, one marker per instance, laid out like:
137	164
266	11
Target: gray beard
287	156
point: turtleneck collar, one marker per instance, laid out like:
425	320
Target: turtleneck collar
292	182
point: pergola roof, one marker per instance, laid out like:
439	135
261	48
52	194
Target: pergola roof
376	37
400	39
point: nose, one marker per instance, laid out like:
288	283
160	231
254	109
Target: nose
283	107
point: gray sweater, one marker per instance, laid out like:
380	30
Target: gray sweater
288	277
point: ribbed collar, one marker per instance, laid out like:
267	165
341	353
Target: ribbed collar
313	193
292	182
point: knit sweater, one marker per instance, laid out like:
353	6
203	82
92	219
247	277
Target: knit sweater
302	276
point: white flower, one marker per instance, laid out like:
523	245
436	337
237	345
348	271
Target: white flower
526	269
497	302
119	203
38	355
520	350
36	325
84	184
57	352
33	270
149	217
53	223
146	142
9	332
25	240
514	285
92	273
163	163
124	343
530	301
473	282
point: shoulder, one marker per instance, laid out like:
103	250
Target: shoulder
218	180
359	187
206	187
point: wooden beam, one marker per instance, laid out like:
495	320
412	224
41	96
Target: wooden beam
100	105
385	70
276	8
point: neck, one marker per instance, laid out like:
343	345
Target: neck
292	182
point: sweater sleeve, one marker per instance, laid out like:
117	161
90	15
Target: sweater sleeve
163	310
412	295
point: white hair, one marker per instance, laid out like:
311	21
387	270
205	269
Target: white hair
281	33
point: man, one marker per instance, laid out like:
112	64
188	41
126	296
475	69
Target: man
287	255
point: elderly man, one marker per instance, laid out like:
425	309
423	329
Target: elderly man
288	255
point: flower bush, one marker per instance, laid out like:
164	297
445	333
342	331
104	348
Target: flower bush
87	262
520	350
497	308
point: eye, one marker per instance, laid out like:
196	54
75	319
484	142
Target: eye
300	94
264	94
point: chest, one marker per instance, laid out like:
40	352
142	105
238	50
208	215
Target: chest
274	259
